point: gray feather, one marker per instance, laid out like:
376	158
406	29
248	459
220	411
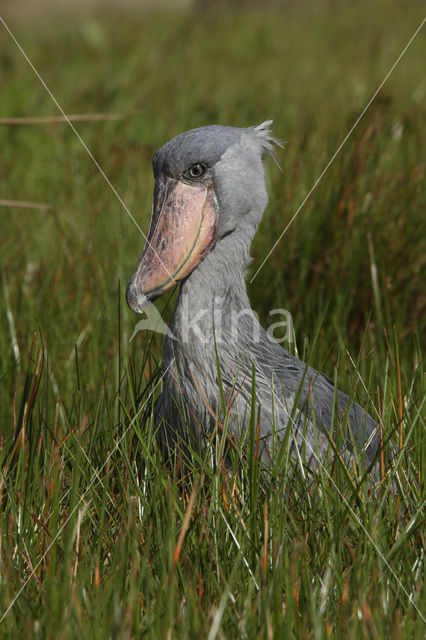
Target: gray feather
290	394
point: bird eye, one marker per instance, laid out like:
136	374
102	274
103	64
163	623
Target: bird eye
197	170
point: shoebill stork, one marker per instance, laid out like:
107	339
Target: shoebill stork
209	197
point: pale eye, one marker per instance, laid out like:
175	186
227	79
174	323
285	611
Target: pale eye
197	170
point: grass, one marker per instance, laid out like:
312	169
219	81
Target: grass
98	538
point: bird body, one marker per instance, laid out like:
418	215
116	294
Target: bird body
209	197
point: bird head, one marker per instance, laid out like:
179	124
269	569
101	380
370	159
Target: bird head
209	182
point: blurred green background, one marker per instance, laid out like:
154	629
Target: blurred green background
350	269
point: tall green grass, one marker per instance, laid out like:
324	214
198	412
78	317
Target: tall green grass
98	537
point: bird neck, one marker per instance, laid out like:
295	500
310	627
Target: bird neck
221	273
214	293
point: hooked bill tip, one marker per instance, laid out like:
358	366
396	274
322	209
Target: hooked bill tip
136	301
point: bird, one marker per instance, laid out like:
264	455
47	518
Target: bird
209	198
